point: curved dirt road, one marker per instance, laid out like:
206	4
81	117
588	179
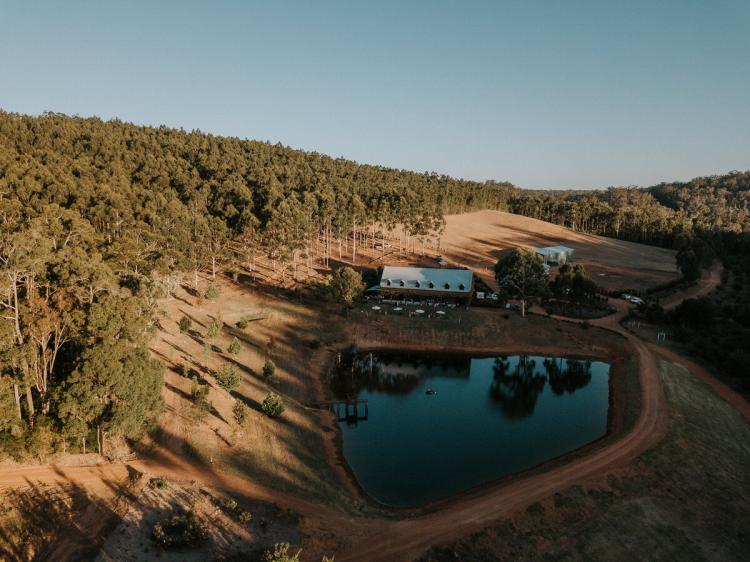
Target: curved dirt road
387	540
407	539
708	281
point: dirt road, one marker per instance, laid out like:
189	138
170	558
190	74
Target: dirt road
95	479
379	539
407	539
708	281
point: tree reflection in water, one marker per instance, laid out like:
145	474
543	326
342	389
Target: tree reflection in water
574	375
517	391
392	374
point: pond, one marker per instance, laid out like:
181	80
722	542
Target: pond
435	426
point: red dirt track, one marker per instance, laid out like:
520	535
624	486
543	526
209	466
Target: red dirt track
374	539
407	539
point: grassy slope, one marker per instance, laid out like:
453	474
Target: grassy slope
285	454
688	498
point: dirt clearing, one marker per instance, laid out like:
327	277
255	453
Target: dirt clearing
476	240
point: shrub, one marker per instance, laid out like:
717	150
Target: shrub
246	517
273	405
157	483
242	323
201	403
180	531
280	553
185	324
212	332
234	347
535	509
239	411
211	292
315	343
227	377
230	504
269	369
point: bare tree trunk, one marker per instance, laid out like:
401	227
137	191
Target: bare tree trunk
30	405
18	400
354	245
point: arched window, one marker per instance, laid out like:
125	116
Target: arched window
432	285
402	283
462	286
447	285
417	285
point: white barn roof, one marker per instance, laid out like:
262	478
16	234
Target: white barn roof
427	279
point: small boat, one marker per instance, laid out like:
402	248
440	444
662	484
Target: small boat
430	392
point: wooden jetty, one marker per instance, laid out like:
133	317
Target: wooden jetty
350	411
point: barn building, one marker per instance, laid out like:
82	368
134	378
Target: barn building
556	255
426	283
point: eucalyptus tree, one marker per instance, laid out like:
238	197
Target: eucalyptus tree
521	273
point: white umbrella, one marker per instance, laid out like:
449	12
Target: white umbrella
376	308
440	312
419	311
397	309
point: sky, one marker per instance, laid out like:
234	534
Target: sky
545	94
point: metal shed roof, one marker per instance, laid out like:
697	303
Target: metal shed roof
554	250
427	279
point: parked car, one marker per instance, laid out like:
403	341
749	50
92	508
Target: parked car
632	299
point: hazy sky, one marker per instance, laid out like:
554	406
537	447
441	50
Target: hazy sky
543	94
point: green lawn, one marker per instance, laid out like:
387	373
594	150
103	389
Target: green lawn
686	499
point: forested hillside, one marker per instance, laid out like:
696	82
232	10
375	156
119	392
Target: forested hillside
97	219
656	215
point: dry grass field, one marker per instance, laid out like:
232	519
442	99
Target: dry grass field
477	239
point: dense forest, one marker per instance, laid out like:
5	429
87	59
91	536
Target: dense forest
98	219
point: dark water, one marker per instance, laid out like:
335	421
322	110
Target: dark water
488	417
